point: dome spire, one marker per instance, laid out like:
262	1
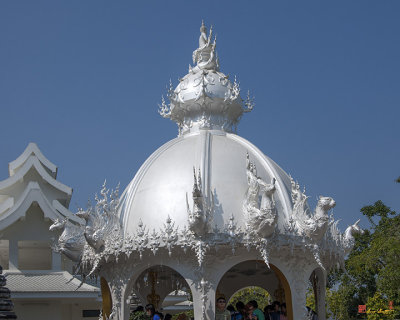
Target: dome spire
205	98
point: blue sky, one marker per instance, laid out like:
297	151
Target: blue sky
83	79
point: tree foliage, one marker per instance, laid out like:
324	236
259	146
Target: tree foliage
184	315
373	267
258	294
139	315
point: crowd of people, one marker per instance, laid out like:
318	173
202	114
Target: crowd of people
151	312
248	311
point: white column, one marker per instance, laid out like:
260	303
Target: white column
203	301
55	261
13	254
321	292
298	287
125	304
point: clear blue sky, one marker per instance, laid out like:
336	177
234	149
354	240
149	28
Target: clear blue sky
83	79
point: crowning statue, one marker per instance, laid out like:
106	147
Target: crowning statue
205	55
251	216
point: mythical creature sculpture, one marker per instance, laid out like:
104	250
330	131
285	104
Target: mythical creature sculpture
314	225
200	215
71	241
93	229
102	221
348	239
261	217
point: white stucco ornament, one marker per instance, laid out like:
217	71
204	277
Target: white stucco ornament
236	207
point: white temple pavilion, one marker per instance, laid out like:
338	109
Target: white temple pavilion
207	213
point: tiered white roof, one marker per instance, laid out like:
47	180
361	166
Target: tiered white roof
33	179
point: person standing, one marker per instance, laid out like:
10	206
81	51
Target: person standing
240	313
253	305
276	313
151	312
283	312
220	311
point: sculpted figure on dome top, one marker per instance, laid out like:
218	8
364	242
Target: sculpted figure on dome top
261	218
204	55
203	41
199	216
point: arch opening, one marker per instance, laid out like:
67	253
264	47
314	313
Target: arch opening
163	287
255	273
106	298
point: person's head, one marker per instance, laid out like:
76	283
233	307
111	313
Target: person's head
150	310
276	305
138	309
231	308
240	306
221	303
252	304
168	316
270	308
248	310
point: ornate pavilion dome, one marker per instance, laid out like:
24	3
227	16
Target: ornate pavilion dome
164	184
206	106
209	212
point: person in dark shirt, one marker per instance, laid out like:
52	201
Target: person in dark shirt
276	313
240	311
151	311
267	311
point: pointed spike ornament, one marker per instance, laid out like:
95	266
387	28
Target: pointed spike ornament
249	102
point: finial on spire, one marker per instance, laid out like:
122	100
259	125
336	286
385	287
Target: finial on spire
205	55
203	27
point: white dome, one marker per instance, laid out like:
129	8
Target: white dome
160	186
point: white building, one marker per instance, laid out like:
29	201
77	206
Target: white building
40	280
238	220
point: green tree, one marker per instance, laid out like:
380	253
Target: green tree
251	293
184	315
139	315
373	266
377	308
